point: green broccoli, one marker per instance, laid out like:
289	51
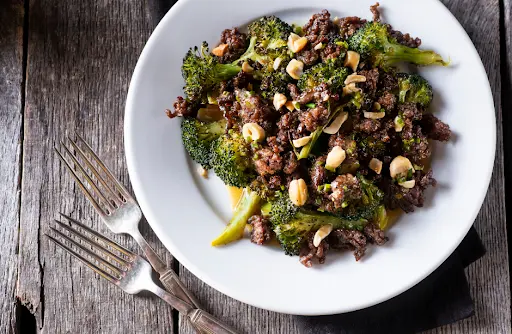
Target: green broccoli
202	72
198	138
370	147
274	82
231	160
374	41
414	88
364	209
246	207
293	224
271	34
329	73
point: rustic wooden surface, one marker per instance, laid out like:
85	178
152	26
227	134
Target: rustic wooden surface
66	65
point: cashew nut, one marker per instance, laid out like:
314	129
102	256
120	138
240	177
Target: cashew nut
298	192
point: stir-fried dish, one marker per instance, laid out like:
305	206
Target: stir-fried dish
317	125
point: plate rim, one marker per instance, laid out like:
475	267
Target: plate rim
176	253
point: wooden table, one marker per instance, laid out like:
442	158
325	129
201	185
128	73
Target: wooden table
66	65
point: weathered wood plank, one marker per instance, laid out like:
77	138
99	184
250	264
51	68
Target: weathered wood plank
11	76
81	55
489	277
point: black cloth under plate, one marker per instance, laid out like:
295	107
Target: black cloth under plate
440	299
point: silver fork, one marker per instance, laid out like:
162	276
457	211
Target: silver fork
117	208
127	270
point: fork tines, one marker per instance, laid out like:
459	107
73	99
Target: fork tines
92	176
92	249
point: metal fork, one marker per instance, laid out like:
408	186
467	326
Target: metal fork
117	208
127	270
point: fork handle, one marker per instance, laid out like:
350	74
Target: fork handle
153	259
201	320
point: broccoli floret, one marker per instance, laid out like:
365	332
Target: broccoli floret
414	88
364	209
274	82
329	73
198	138
202	72
373	41
292	224
231	160
246	207
271	33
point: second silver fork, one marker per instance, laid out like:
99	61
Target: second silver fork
116	207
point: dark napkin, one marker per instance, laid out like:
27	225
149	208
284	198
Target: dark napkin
440	299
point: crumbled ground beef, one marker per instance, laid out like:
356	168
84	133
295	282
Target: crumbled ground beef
254	109
242	80
237	44
183	108
313	118
387	82
344	188
415	144
309	252
375	12
435	129
320	94
410	111
348	239
308	56
387	101
290	162
261	231
367	125
375	235
370	85
404	39
267	161
349	25
318	173
318	27
406	199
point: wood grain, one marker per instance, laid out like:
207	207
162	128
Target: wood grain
81	55
11	76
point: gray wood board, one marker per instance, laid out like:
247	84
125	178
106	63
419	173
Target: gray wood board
11	76
81	55
488	277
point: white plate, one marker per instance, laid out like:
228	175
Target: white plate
187	212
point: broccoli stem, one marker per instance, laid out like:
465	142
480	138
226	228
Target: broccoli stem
246	207
226	71
250	53
397	53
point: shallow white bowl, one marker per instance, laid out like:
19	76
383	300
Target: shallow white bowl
187	212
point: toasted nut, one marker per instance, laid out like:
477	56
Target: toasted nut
400	166
289	105
336	20
277	63
337	123
321	234
408	184
253	132
376	106
279	100
375	165
319	46
220	50
202	172
350	88
354	77
352	60
296	43
335	158
399	123
301	141
295	68
296	105
298	192
247	68
248	230
374	115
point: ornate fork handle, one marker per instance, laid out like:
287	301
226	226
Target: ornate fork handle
202	320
